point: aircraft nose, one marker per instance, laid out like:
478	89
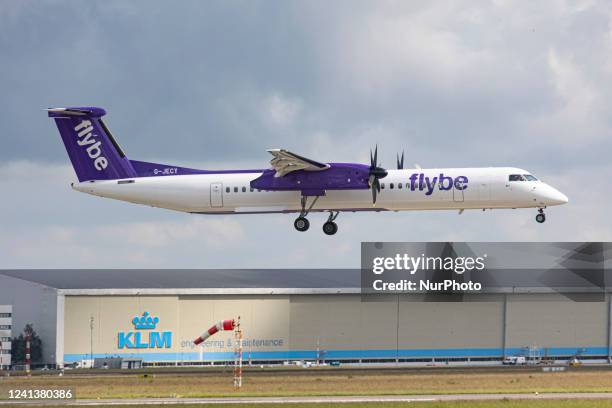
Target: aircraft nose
552	196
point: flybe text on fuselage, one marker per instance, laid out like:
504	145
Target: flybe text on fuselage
422	182
87	138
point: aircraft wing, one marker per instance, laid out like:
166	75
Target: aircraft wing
284	162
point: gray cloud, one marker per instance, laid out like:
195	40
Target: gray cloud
214	84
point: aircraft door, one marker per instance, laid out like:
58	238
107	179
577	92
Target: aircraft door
484	192
216	195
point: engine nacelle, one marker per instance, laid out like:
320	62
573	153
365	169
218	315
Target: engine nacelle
340	176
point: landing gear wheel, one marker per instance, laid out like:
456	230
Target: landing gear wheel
301	224
330	228
540	218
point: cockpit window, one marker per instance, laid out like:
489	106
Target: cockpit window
529	177
516	177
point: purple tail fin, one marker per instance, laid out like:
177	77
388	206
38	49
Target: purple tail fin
94	153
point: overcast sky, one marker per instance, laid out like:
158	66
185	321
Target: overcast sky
215	84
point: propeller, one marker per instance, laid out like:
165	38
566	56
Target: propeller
400	161
376	173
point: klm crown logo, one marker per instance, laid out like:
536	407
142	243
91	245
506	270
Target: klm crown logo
144	335
145	322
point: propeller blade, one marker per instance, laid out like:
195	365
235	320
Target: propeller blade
400	161
376	156
371	180
376	173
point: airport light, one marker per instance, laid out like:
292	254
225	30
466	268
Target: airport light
91	327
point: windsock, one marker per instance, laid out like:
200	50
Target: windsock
222	325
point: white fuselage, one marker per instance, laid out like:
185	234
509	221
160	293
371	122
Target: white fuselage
222	193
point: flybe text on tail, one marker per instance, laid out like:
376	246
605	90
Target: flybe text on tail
87	139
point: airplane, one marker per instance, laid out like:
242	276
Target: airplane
293	184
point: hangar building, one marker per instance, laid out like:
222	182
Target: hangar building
291	315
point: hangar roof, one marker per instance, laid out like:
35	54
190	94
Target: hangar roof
247	281
192	281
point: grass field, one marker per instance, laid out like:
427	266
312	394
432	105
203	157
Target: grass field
312	383
459	404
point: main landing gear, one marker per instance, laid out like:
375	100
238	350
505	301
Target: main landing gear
541	217
330	227
302	224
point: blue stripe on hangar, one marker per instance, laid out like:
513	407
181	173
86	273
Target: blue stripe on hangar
346	354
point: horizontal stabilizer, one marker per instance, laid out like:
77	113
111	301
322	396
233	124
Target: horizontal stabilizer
77	111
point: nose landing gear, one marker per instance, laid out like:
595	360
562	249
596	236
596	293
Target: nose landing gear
541	217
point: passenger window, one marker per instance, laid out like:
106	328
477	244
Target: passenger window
382	186
227	190
399	185
235	189
252	189
391	186
243	189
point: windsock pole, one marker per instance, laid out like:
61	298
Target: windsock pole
229	324
237	354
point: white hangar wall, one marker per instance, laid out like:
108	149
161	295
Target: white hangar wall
333	326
